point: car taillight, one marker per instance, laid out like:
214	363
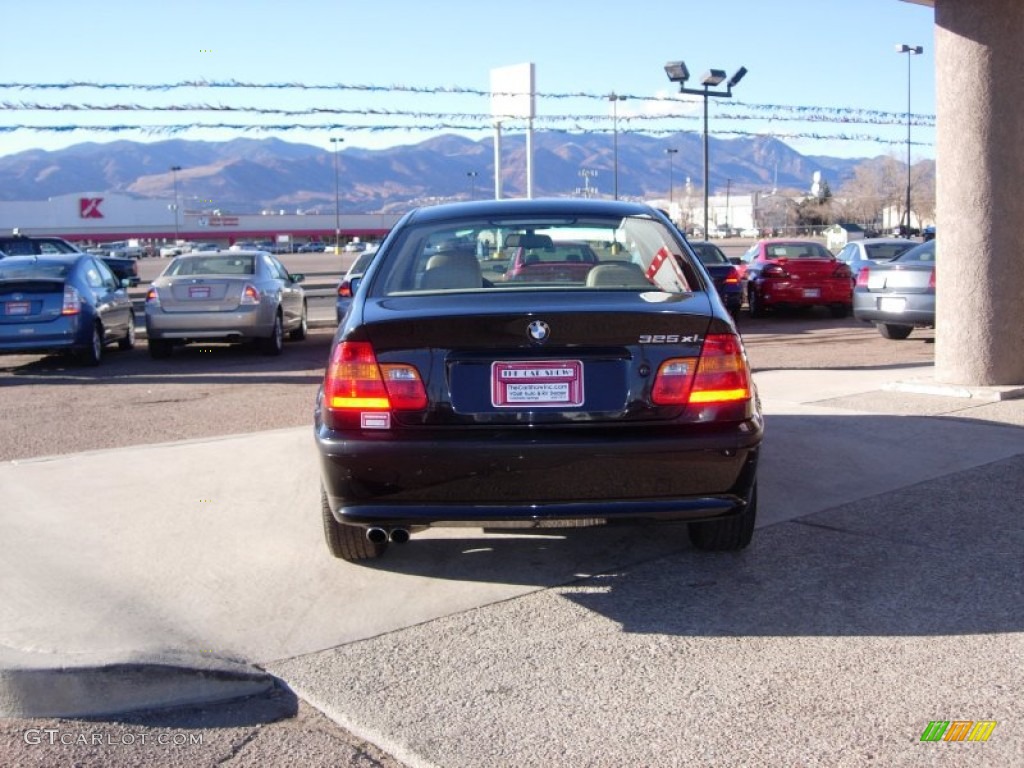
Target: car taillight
72	304
152	297
345	289
719	375
842	270
355	383
250	294
732	277
722	373
862	277
931	279
774	270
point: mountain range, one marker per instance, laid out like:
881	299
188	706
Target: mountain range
245	175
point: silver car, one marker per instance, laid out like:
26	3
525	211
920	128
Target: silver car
225	296
871	251
898	295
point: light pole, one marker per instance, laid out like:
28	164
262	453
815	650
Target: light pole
174	171
615	98
678	73
337	210
472	184
671	185
910	50
728	189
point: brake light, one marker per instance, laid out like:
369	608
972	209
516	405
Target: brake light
354	382
152	297
733	277
722	373
931	279
774	270
345	289
72	303
719	375
862	277
842	270
250	295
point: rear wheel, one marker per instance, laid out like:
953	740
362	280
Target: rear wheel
729	534
300	333
890	331
93	354
347	542
754	303
159	349
128	340
274	343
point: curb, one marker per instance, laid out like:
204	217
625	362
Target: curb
82	688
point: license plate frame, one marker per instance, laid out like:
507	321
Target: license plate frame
812	293
199	291
17	308
537	383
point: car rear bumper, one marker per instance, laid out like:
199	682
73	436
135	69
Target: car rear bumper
511	481
245	323
838	291
919	310
56	335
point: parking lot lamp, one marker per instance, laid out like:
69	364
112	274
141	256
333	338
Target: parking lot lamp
337	210
910	50
471	175
174	172
678	73
615	98
671	185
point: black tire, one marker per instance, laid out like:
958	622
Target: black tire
160	349
274	343
93	354
839	310
347	542
897	332
300	333
727	535
754	303
128	341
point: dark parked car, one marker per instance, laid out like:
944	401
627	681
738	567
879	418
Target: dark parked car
451	399
796	273
347	286
124	267
899	295
860	253
65	302
728	278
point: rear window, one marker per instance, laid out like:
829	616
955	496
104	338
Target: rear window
923	253
637	253
886	250
212	265
798	251
33	270
709	254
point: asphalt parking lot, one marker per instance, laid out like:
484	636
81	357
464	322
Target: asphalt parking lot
869	605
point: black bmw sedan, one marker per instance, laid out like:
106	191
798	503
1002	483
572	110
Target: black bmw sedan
460	392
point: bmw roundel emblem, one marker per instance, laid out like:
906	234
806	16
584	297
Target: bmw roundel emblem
538	330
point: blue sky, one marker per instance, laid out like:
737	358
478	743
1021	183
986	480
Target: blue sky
818	69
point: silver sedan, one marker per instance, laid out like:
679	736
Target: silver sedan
225	296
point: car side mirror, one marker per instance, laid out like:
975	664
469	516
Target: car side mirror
125	282
297	278
354	284
735	260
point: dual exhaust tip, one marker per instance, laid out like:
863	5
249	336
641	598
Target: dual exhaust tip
383	535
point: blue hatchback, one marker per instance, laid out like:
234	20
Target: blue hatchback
63	303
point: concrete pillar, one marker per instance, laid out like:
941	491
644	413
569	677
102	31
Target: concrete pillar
979	338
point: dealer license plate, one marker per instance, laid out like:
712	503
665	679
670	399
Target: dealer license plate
199	291
546	384
892	304
17	307
812	293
